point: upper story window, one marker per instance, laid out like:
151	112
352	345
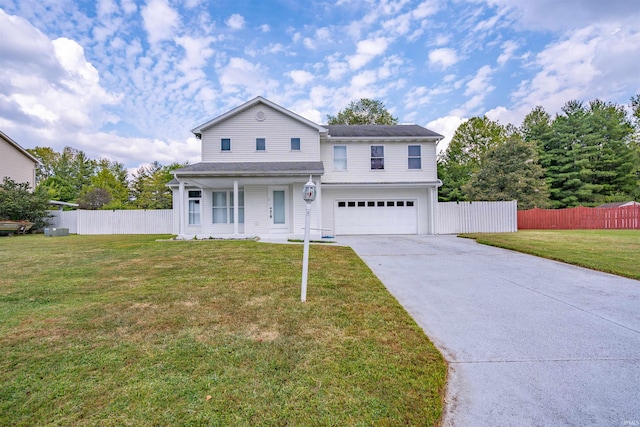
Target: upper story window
415	157
377	157
194	207
225	144
261	144
295	144
340	157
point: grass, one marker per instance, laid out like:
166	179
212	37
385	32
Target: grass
127	330
611	251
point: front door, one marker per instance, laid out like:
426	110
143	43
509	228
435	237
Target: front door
279	209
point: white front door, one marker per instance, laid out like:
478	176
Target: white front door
279	209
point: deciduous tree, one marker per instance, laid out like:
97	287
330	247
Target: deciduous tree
510	171
363	112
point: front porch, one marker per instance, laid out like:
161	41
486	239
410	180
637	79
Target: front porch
268	207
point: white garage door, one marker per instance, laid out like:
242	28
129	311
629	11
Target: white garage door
375	216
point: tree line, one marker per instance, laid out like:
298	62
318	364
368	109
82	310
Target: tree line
588	154
70	176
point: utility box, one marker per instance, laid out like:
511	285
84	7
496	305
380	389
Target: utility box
53	232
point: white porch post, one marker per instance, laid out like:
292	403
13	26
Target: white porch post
181	209
433	209
319	207
235	207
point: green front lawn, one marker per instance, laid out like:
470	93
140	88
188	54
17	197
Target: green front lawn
127	330
612	251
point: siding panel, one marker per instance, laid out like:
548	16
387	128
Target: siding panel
277	129
395	158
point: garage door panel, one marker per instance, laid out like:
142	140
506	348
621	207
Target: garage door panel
376	217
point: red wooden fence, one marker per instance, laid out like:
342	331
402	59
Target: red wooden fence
580	218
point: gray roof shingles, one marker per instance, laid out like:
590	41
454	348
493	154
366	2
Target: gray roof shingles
381	131
253	168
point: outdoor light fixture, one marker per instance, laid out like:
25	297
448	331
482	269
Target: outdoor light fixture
309	195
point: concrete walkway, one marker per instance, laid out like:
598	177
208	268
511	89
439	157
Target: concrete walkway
530	342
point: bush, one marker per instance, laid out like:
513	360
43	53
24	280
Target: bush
17	203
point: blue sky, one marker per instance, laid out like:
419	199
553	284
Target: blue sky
127	79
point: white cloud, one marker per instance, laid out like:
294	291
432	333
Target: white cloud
596	61
445	126
480	83
160	20
443	57
300	77
265	28
235	21
508	48
337	67
567	15
367	50
240	75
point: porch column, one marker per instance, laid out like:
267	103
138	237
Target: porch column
318	204
181	209
235	208
433	209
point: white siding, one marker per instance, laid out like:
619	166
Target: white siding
256	209
15	165
277	128
477	217
300	212
395	163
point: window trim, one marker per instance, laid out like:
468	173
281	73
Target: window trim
264	144
222	144
410	157
379	157
193	214
346	157
228	208
299	140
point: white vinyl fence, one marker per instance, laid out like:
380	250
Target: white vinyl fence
477	217
452	218
159	221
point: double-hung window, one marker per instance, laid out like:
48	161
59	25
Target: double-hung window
415	157
194	207
377	157
340	157
295	144
225	144
223	207
261	144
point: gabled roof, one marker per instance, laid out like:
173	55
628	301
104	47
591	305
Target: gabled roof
18	147
381	131
197	131
252	169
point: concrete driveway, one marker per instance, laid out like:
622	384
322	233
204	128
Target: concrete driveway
530	342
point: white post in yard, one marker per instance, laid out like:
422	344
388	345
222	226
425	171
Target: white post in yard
309	195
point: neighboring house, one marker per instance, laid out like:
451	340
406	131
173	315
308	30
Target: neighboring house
257	157
619	204
15	162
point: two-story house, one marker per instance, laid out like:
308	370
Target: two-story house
257	157
16	162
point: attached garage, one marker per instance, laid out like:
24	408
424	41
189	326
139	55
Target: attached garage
376	216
